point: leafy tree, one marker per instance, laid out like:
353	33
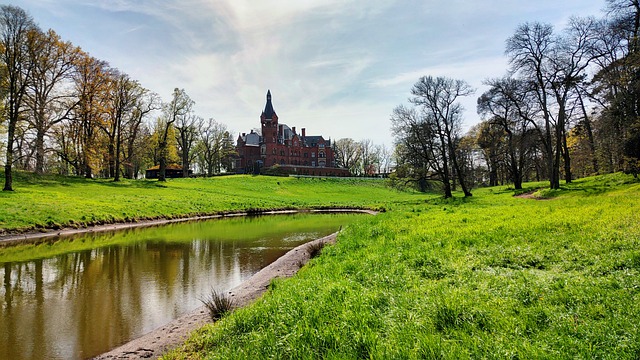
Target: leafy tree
91	81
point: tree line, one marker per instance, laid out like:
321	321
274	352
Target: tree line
363	158
64	111
568	106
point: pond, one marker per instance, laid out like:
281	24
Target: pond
83	295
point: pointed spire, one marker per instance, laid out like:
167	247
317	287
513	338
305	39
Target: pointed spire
268	109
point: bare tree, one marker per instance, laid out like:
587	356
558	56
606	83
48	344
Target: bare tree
126	95
419	152
48	99
437	98
348	154
187	129
508	104
16	32
135	131
555	66
179	106
211	146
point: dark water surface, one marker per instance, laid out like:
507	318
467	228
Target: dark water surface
86	294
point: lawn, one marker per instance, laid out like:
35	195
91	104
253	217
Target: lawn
51	202
492	276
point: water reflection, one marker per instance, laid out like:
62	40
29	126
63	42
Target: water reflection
83	303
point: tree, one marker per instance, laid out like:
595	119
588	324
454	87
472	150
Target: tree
370	157
348	154
179	106
437	98
419	151
508	104
135	132
490	139
16	32
91	81
555	67
211	146
187	129
126	95
53	62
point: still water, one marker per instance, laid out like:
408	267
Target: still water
83	295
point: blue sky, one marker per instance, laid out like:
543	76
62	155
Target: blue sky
335	67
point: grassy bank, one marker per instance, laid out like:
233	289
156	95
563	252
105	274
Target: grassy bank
493	276
51	202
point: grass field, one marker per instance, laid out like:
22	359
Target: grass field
493	276
51	202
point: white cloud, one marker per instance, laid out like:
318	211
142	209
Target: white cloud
336	67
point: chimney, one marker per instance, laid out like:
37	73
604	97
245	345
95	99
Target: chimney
294	130
304	132
244	134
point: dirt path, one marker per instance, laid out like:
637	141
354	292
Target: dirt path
171	335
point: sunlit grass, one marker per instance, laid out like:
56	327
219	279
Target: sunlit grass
54	201
493	276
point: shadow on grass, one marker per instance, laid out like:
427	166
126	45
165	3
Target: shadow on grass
591	186
48	180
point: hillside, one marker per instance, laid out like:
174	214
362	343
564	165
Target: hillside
494	276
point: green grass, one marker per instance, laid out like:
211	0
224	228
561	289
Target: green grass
51	202
492	276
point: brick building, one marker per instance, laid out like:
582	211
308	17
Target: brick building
281	145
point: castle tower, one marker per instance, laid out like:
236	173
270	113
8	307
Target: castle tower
269	121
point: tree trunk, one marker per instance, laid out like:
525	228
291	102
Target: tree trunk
116	175
8	170
40	151
163	163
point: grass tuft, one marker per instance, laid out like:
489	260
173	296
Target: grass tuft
218	304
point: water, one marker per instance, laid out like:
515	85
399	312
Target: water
87	294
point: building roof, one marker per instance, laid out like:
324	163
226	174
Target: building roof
268	108
312	141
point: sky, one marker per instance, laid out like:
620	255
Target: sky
335	67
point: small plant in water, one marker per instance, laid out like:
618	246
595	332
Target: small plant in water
218	304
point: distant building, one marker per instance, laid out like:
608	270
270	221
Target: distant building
281	147
171	171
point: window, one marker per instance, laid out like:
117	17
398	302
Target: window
313	154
